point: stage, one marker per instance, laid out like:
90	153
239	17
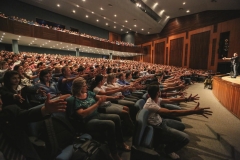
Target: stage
233	80
227	91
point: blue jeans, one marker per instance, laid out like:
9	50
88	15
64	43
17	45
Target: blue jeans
169	132
109	124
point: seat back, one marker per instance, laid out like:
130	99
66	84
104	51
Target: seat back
140	103
141	145
145	96
143	132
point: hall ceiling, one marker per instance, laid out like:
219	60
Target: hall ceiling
121	16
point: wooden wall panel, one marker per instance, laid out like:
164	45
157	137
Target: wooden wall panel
176	52
186	55
147	54
199	50
214	45
159	53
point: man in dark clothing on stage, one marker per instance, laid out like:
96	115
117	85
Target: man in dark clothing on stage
235	64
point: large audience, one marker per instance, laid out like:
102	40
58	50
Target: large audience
57	28
101	95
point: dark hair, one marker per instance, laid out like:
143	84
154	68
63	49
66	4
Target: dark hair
128	74
42	74
15	68
39	64
64	68
7	76
96	81
109	70
152	91
81	69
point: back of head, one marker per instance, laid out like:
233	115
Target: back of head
153	90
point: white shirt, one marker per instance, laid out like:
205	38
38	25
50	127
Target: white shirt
115	85
153	118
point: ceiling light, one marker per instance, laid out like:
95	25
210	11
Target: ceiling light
135	25
187	11
101	8
19	36
61	43
142	29
106	23
104	17
74	11
83	0
35	38
57	44
3	33
86	16
97	20
77	5
126	21
114	22
49	41
115	15
92	12
122	25
121	29
58	5
148	32
114	26
184	3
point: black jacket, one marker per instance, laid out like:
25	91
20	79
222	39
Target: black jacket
13	121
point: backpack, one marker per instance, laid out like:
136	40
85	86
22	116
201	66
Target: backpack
90	150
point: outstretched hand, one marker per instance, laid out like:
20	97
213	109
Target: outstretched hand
203	111
52	106
193	98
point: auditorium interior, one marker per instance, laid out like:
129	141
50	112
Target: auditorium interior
92	59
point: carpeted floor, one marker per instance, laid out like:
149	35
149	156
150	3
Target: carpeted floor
213	138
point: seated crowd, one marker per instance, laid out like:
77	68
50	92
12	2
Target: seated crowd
22	20
100	96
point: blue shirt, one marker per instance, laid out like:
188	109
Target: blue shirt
123	82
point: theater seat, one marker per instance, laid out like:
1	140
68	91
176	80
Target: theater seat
140	103
142	140
145	96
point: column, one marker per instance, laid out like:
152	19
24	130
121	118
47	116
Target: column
110	56
77	52
15	46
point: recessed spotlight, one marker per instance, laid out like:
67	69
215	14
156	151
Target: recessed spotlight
83	0
101	8
135	25
77	5
3	33
104	17
115	15
126	21
57	44
49	41
187	11
122	25
86	16
92	12
61	43
74	11
148	32
114	22
97	20
114	27
183	3
130	29
142	29
35	38
58	5
121	29
19	36
106	23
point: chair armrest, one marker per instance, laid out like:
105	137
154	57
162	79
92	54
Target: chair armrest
142	153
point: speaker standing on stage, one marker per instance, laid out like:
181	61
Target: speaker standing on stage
235	63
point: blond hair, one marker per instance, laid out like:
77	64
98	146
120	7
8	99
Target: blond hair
110	77
77	85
